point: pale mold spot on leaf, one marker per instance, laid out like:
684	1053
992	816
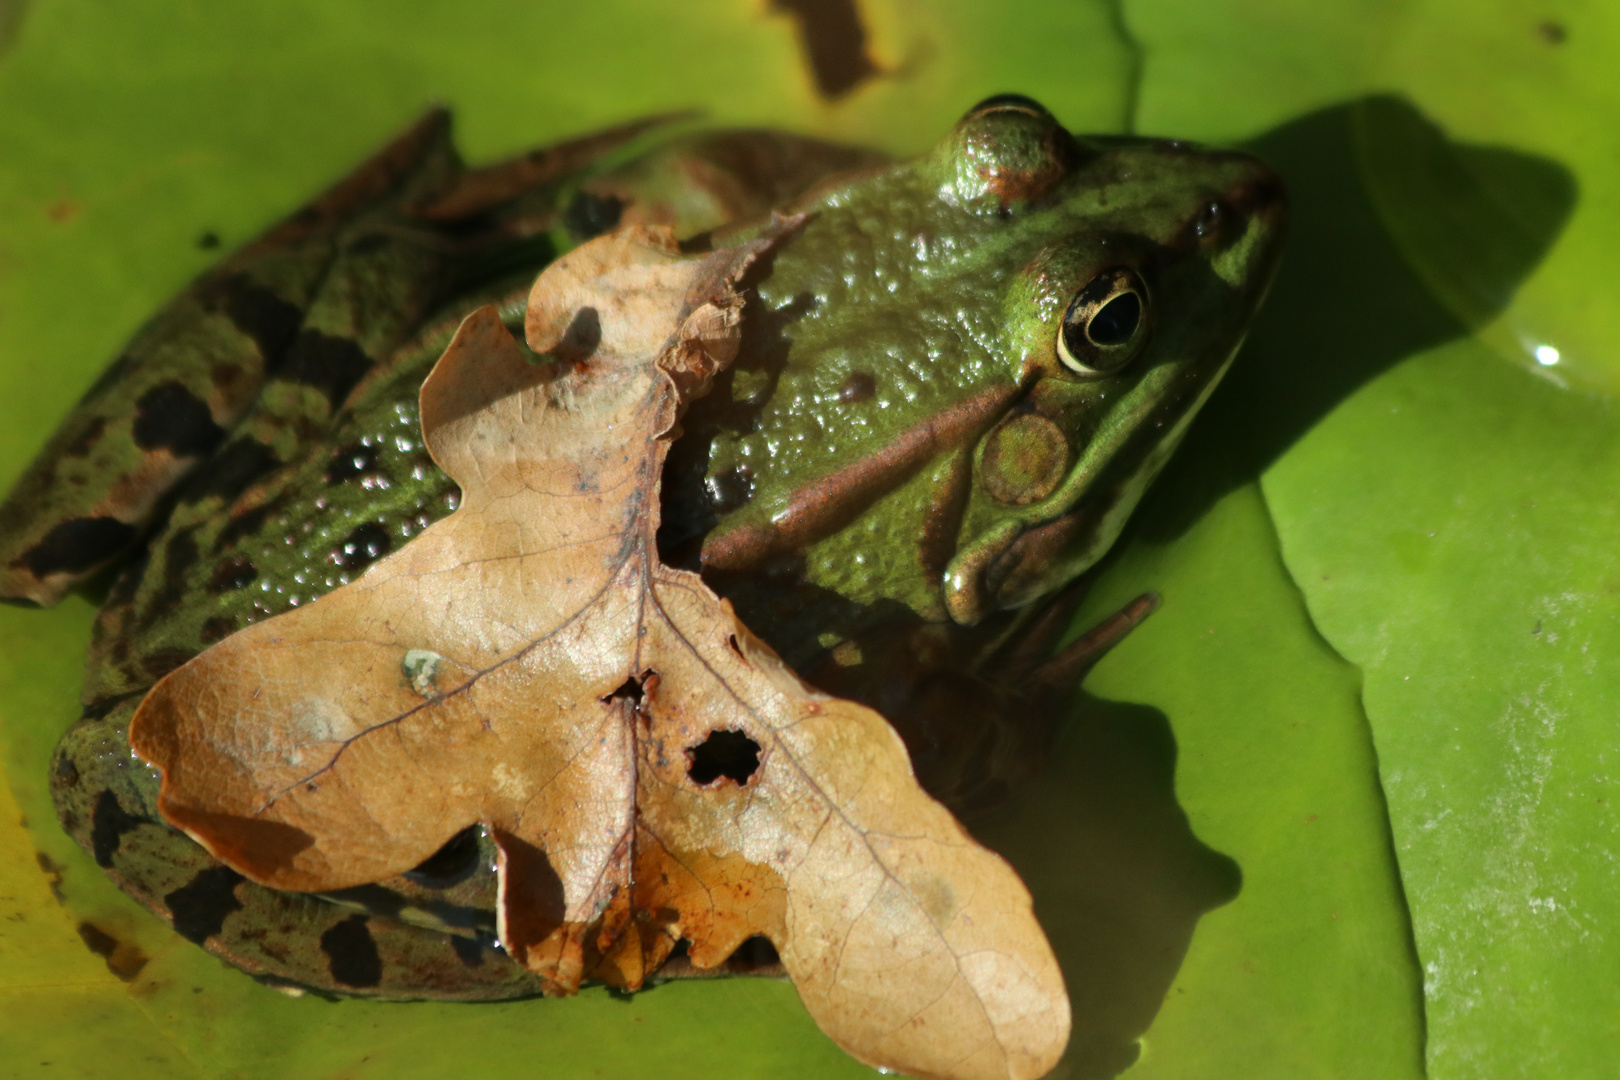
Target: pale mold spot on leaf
316	721
421	669
506	781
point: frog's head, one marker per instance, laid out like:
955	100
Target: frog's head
1151	260
993	350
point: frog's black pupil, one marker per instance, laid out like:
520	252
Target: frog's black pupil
1116	320
1009	101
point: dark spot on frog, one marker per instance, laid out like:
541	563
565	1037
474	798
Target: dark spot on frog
834	43
180	554
259	313
200	907
228	473
108	824
233	574
246	523
860	386
361	548
77	545
86	440
1553	33
170	417
352	460
156	664
123	959
216	628
208	241
330	364
228	380
67	773
98	709
468	951
352	953
451	864
590	214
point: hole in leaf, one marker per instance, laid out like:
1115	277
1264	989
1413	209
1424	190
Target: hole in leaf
452	863
724	753
629	690
755	954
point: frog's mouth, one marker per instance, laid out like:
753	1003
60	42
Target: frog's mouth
1040	549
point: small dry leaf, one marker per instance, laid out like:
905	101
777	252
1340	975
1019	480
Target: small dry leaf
649	769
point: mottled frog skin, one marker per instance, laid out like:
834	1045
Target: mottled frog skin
957	377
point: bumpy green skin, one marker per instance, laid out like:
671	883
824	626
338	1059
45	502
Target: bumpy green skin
896	466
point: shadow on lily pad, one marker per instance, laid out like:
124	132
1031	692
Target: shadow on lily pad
1401	240
1119	879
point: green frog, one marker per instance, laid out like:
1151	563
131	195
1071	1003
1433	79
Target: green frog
958	375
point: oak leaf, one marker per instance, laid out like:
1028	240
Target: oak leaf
650	770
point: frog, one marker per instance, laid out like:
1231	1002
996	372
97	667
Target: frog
958	375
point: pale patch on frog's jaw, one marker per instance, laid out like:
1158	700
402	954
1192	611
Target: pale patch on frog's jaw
1235	264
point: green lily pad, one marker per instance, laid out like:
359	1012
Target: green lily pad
1434	502
1210	849
1253	726
1469	566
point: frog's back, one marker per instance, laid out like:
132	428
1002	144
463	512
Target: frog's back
257	445
245	371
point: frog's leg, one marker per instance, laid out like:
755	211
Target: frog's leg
977	707
1064	670
106	799
1035	688
189	375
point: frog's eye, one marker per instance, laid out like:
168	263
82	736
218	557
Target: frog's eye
1106	323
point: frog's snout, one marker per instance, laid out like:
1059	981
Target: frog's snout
1261	197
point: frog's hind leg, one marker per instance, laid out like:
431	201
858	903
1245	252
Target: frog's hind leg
1071	663
185	379
1028	692
106	799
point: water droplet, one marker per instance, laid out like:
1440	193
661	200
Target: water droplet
1546	355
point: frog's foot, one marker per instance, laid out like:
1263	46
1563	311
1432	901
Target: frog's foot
1072	663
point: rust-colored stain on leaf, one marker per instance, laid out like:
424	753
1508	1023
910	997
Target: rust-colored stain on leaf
651	771
834	43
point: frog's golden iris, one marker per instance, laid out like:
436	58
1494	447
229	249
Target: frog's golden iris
1106	323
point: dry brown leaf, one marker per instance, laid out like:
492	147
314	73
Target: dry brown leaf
528	663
